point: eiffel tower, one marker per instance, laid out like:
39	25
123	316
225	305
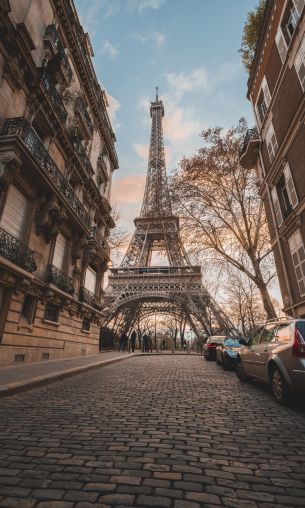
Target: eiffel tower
138	289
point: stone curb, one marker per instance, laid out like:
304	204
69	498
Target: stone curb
22	386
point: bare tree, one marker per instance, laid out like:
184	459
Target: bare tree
119	238
221	210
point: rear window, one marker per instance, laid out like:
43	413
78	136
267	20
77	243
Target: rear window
233	342
300	326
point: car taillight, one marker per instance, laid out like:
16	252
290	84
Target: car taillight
298	348
212	345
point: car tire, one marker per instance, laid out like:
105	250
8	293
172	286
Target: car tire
279	386
207	359
241	374
225	364
217	361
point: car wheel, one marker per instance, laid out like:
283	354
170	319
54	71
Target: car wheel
207	359
217	361
280	388
241	374
225	364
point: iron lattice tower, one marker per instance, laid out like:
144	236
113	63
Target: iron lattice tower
137	288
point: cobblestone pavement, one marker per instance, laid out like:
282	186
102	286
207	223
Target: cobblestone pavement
170	431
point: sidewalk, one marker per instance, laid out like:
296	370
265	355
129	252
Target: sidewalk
17	378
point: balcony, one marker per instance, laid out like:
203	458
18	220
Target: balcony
20	128
87	297
249	151
16	252
83	157
54	97
58	278
58	64
101	243
86	125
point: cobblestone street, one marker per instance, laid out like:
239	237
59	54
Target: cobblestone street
165	431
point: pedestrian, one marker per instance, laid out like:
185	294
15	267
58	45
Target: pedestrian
133	339
123	341
149	344
145	343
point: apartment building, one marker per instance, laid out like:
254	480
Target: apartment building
276	147
57	157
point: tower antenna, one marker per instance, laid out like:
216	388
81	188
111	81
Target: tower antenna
157	89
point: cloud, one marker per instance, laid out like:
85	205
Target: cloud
141	150
178	127
109	49
181	83
152	36
128	190
141	5
114	107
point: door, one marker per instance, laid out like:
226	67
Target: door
268	341
248	353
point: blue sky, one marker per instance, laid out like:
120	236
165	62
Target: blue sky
189	48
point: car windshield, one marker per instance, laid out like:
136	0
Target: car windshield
234	342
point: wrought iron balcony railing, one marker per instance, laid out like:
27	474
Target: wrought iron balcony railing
60	62
54	96
103	244
81	108
21	128
86	296
16	252
59	279
51	38
81	152
251	134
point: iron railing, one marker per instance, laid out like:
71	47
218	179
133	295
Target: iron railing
80	106
101	242
21	128
51	35
59	279
81	152
54	96
16	252
86	296
60	59
251	134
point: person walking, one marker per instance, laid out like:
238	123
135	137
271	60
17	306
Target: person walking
133	339
145	343
149	344
123	342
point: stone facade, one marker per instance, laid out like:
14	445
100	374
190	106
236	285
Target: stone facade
57	157
276	147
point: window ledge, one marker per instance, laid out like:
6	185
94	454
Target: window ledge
86	331
25	326
54	323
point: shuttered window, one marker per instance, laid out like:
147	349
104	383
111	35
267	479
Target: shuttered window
293	198
90	279
15	213
281	44
297	251
299	63
59	251
271	142
277	208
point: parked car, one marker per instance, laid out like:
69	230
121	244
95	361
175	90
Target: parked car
209	348
226	353
276	355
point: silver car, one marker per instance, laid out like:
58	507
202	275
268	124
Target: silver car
276	355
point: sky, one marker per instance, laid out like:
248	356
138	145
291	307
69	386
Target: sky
189	49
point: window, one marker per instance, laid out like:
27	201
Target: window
267	334
281	45
299	63
290	19
276	206
271	142
90	279
264	100
256	335
28	309
297	251
59	251
51	312
284	195
86	325
15	213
